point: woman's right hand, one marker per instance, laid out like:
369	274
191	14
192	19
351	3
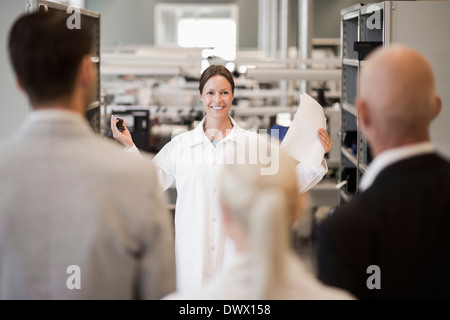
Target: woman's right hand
124	136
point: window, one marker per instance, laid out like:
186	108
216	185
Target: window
209	26
77	3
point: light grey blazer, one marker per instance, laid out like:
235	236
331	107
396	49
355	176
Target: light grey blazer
67	199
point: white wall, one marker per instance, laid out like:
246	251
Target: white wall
424	26
13	104
132	22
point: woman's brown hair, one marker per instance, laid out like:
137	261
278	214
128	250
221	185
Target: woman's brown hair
215	70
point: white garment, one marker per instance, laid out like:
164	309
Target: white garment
391	156
192	161
237	281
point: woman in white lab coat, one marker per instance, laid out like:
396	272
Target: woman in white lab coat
257	212
193	161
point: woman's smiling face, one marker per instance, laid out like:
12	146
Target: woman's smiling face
217	97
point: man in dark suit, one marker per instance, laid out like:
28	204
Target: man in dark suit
392	240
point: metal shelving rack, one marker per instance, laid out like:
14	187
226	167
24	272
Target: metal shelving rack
422	25
355	150
89	19
350	134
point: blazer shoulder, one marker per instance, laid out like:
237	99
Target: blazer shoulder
424	168
109	156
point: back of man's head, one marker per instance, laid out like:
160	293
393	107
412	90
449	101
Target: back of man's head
397	93
45	54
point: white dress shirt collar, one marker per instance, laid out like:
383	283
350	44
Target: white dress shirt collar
391	156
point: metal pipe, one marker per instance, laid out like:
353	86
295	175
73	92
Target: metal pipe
305	15
264	26
283	46
284	29
295	74
274	28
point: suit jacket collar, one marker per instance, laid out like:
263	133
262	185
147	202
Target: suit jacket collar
55	123
391	156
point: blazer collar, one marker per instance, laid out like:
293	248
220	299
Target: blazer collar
56	122
392	156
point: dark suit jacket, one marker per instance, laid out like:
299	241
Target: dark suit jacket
401	224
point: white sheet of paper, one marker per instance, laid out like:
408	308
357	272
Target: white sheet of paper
301	141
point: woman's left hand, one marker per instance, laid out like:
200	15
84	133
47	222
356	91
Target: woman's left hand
325	139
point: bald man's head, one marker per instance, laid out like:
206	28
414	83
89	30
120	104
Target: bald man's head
397	98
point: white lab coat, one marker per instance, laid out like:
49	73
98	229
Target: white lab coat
193	163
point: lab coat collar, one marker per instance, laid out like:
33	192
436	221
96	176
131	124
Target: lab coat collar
200	136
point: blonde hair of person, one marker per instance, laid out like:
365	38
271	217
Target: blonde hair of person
264	206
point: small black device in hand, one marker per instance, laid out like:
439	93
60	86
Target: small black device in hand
119	125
